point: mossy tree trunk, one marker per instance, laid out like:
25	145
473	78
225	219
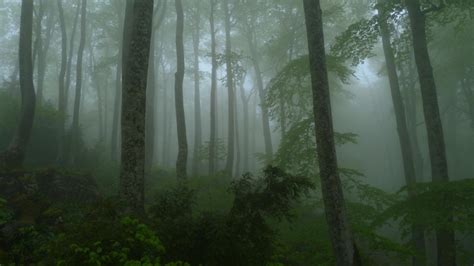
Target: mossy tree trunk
137	36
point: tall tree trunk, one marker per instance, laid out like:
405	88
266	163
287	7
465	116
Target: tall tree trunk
77	98
439	168
14	156
150	109
213	123
339	227
96	83
42	49
252	42
61	84
181	162
402	129
197	95
245	106
230	93
138	25
114	139
70	57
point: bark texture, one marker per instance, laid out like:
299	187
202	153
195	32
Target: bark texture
78	93
230	93
61	82
14	156
402	129
181	162
336	216
134	82
213	123
197	93
439	168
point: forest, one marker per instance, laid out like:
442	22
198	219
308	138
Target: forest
237	132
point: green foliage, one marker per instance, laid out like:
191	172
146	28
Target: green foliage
43	144
102	236
437	205
220	146
5	213
357	41
241	236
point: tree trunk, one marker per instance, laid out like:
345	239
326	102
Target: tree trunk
261	92
213	124
245	106
14	156
339	227
439	167
230	93
70	57
197	95
114	139
402	129
77	98
181	162
61	83
42	49
138	27
150	109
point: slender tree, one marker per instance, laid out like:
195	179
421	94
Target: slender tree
71	54
181	162
114	139
402	129
230	93
439	167
61	82
333	198
213	123
74	143
137	36
14	156
197	94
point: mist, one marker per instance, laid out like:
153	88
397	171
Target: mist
235	132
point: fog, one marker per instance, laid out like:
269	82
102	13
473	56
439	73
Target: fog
200	132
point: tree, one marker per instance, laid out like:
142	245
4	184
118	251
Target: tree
213	124
74	143
336	216
439	166
151	89
41	47
230	93
137	36
61	81
181	162
402	129
197	95
14	156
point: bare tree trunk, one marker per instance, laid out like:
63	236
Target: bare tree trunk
70	57
339	227
138	28
42	49
181	162
439	168
61	84
245	106
77	99
230	93
14	156
197	95
150	109
96	83
213	129
116	127
252	42
418	238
